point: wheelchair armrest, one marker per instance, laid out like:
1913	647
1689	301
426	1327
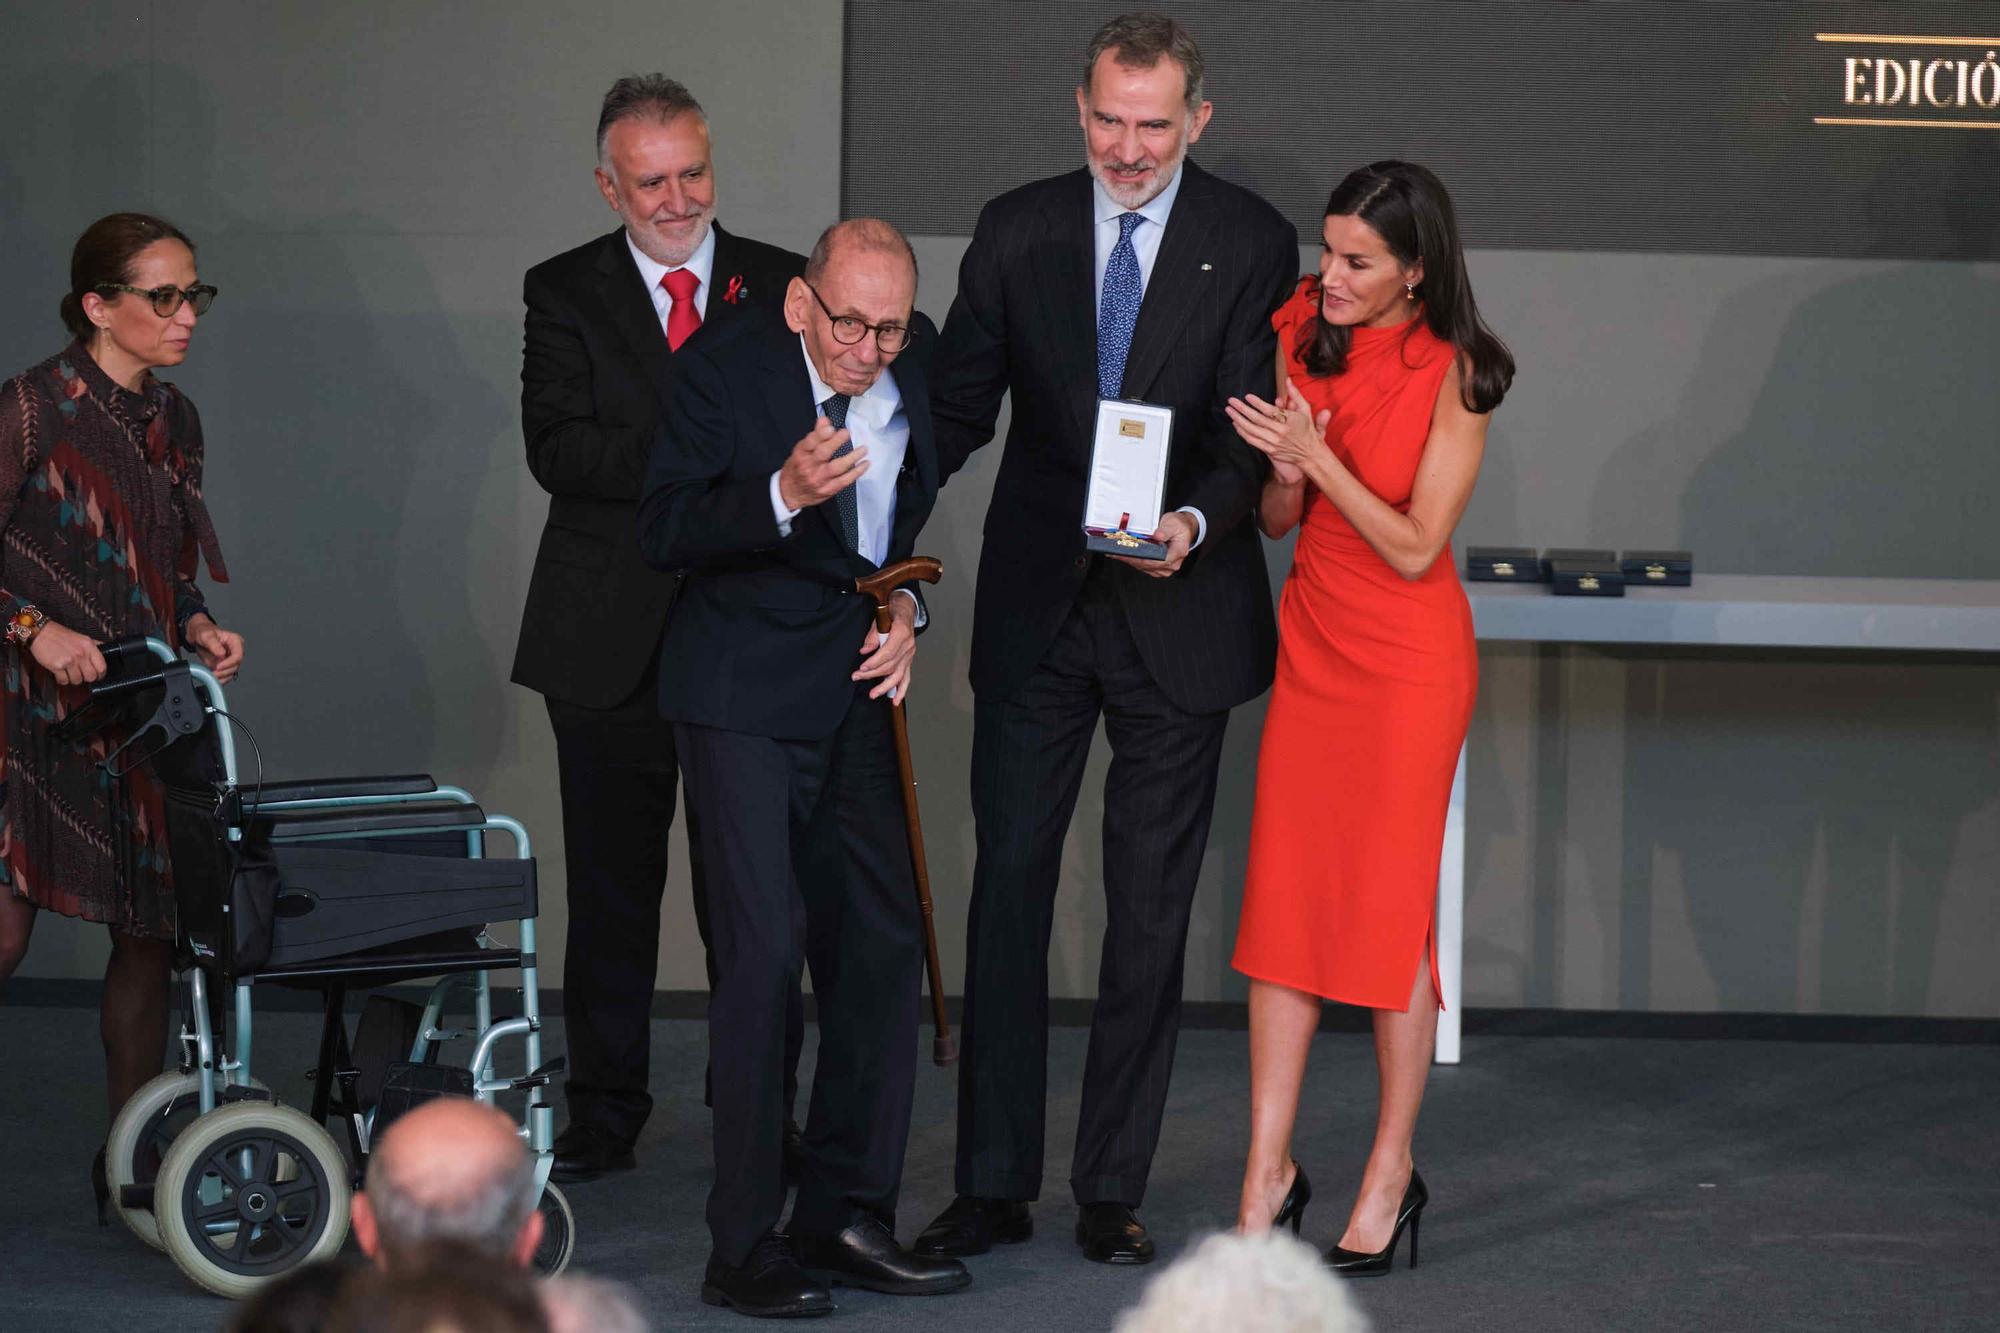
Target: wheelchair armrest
325	789
361	820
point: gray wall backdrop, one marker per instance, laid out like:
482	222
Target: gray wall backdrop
1814	833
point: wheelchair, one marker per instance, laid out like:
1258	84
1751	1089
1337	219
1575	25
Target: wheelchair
325	884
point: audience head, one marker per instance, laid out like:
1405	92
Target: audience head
1389	251
447	1289
861	273
653	166
299	1302
450	1170
1267	1283
1140	104
148	327
573	1303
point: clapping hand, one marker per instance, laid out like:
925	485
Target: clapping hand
812	474
1290	436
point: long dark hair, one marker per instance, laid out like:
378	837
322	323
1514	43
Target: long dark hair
104	254
1408	207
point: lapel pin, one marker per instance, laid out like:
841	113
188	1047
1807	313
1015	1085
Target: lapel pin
1206	267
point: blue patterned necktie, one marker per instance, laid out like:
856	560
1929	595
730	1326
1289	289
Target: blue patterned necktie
1118	311
845	505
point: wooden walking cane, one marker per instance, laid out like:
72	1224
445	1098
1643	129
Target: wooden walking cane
882	586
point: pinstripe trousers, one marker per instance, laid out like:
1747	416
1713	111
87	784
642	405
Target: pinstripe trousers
1028	755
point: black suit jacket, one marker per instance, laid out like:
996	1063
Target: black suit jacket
595	373
766	634
1025	322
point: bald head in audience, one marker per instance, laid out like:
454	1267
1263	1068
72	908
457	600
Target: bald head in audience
449	1170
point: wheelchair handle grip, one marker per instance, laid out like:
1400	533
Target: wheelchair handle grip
131	645
105	689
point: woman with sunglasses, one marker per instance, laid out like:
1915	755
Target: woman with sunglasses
101	526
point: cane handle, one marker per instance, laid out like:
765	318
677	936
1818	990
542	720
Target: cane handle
883	582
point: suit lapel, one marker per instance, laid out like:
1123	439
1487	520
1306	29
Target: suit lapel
790	402
725	302
623	292
1067	260
1178	281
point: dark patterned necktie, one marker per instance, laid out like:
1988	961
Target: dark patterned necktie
846	506
1118	310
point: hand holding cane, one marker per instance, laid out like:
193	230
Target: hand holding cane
882	586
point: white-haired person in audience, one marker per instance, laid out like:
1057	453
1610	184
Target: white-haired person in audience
576	1303
1263	1283
449	1170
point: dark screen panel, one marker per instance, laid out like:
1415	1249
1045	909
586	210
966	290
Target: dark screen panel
1683	127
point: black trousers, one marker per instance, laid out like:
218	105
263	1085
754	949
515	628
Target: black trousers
1028	753
808	863
617	771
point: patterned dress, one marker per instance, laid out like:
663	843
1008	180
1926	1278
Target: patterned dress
101	526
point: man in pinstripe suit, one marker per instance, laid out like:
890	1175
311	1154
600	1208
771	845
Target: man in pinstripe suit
1142	277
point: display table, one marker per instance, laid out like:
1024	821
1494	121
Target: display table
1719	611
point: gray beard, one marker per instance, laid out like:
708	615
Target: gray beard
649	244
1119	193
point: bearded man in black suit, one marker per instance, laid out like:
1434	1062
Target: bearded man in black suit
1142	277
606	324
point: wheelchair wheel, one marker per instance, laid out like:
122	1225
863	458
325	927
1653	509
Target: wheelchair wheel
558	1233
249	1192
145	1129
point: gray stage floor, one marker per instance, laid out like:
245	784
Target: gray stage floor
1576	1184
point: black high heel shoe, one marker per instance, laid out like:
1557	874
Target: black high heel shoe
1354	1263
100	1186
1292	1212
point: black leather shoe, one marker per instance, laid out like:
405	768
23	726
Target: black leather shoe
1111	1233
585	1152
866	1255
1292	1212
768	1285
973	1225
1356	1263
795	1151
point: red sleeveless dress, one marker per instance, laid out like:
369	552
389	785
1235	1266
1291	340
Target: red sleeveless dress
1376	678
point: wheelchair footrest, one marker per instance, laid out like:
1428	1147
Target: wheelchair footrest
408	1085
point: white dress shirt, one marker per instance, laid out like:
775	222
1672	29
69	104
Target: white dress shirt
1105	227
701	263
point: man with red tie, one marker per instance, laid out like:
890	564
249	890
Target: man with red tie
605	325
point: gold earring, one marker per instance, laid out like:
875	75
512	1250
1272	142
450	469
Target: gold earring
1409	291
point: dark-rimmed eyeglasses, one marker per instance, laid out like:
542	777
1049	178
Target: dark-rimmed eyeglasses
166	300
850	329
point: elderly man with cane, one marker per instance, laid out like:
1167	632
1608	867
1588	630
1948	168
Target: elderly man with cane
794	460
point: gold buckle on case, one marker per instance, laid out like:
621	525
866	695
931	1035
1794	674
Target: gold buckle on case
1656	571
1504	568
1588	583
1124	538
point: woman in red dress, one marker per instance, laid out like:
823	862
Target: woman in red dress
1385	378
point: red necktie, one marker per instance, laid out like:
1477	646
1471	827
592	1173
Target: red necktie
684	318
